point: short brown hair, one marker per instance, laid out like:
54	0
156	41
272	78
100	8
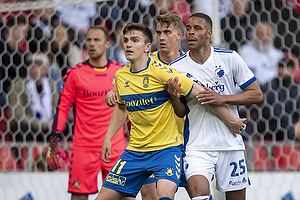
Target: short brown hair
169	18
100	27
139	27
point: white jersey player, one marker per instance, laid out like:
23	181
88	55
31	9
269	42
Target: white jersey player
210	147
221	72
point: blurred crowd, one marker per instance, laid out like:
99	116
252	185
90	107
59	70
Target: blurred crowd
38	46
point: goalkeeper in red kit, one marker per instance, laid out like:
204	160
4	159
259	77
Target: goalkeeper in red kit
85	87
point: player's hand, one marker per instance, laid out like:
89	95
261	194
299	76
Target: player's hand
106	150
208	96
236	126
54	153
111	99
172	87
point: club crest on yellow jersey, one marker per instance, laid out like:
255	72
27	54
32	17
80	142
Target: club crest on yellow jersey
146	82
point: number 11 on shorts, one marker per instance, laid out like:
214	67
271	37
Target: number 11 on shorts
120	167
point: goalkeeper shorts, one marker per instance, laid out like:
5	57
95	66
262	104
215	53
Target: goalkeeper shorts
84	169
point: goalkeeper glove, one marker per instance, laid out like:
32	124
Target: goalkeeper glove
54	152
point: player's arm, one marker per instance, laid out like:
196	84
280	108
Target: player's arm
235	125
111	98
66	100
252	94
172	87
116	121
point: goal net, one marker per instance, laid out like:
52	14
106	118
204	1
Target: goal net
270	143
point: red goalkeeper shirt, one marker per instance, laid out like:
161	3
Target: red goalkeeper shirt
86	87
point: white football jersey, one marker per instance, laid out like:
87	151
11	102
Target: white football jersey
221	72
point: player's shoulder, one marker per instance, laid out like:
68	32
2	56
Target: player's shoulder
225	54
76	68
153	54
123	69
113	63
156	64
222	50
113	66
80	65
155	59
179	59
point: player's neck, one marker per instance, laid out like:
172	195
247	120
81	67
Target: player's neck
99	62
139	64
201	55
167	57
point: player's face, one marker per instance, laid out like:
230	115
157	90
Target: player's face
96	43
197	33
167	37
134	45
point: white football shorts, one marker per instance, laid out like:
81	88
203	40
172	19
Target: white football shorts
229	168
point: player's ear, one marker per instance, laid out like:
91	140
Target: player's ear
107	44
179	34
209	32
148	47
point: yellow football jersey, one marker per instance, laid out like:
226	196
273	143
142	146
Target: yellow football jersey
149	106
179	121
156	56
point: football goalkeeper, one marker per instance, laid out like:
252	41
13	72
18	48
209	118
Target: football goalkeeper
85	87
